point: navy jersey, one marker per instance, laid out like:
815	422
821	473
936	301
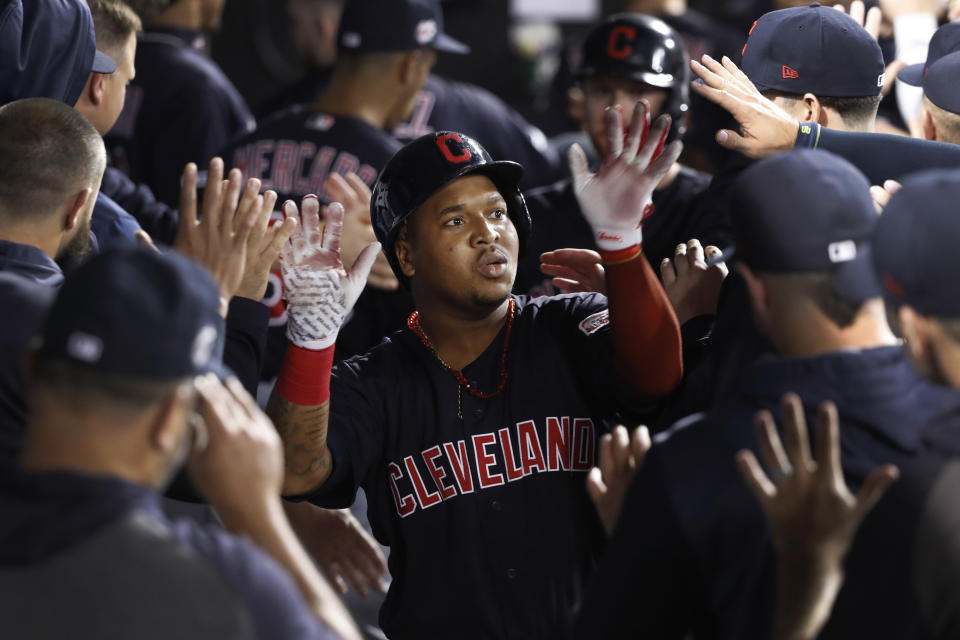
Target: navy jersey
112	225
180	108
444	105
910	538
679	215
691	556
490	528
293	153
181	579
295	150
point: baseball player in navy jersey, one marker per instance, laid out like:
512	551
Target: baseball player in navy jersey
386	48
626	58
471	429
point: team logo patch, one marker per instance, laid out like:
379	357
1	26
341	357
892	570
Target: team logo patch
593	323
426	31
320	122
843	251
84	347
203	343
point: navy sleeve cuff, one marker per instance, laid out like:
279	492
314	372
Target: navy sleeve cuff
808	136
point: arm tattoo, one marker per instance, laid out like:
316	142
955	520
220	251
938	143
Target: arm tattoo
304	434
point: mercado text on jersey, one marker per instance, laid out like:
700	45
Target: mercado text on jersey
491	531
296	150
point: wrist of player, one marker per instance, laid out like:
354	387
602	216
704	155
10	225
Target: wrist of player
617	238
314	332
305	375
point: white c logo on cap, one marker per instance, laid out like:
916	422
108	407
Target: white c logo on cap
426	31
202	347
843	251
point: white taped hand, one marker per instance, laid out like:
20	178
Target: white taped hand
614	199
319	291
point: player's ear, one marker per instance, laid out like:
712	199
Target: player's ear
408	66
929	126
95	89
914	329
75	205
169	422
404	253
759	294
812	110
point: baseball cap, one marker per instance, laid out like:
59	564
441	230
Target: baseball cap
48	50
915	243
805	211
813	49
940	84
394	25
945	40
139	313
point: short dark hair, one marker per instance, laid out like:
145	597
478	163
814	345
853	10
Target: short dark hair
821	288
854	111
47	149
78	384
114	23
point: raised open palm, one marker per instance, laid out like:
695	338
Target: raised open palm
320	291
615	198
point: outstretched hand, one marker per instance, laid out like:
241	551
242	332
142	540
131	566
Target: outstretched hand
808	504
693	286
811	513
869	20
765	128
263	247
338	542
575	270
615	198
353	193
319	290
621	455
218	240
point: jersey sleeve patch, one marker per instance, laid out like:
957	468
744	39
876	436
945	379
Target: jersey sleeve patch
594	322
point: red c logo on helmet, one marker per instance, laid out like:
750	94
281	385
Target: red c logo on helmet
464	154
614	49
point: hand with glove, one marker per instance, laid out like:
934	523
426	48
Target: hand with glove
319	290
615	198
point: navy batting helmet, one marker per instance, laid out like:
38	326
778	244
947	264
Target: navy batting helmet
426	165
639	47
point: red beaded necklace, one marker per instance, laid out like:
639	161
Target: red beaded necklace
413	322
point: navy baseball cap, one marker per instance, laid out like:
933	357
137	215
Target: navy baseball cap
945	40
48	50
915	244
139	313
941	84
394	25
805	211
813	49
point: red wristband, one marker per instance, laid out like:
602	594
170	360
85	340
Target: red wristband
621	255
305	376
